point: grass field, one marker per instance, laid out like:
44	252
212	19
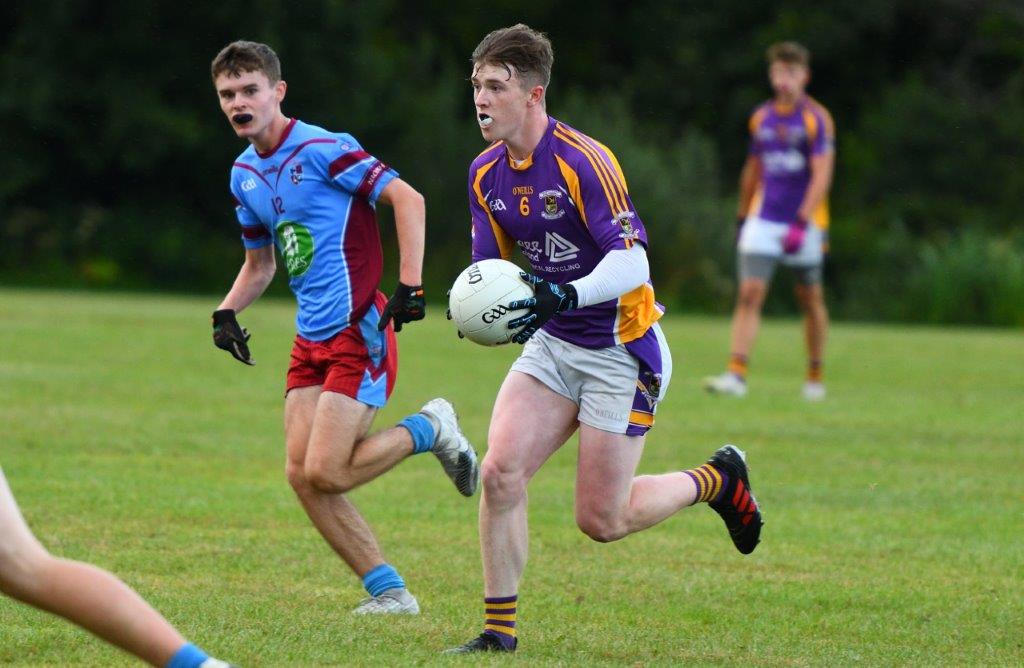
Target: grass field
894	510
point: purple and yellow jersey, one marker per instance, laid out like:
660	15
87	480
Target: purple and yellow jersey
785	139
565	207
313	195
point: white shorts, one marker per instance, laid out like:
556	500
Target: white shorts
603	382
763	237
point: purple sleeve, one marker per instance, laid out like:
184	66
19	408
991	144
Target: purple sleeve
824	138
609	212
485	241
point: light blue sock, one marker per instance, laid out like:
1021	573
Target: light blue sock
423	435
381	579
189	656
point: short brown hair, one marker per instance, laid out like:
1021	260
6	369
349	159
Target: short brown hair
243	56
521	47
791	53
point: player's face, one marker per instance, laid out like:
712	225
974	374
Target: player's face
249	101
501	101
788	79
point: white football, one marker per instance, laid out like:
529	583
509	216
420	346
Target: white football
479	301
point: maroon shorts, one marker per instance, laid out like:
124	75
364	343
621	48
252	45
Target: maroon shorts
358	361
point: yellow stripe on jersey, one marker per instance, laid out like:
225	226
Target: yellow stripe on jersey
810	124
572	179
602	175
615	162
617	199
637	312
613	173
756	118
505	243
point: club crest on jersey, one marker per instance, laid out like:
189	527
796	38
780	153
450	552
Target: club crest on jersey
552	206
296	173
625	221
652	389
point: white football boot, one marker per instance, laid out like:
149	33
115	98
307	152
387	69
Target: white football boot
727	383
452	448
397	601
814	391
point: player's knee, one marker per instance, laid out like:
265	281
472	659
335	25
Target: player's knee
295	472
751	296
503	484
323	480
601	527
22	569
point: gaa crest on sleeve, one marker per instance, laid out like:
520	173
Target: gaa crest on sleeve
625	221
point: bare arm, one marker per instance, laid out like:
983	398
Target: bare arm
410	225
821	180
750	177
253	278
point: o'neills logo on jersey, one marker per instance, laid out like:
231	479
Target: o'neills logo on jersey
552	205
522	190
296	246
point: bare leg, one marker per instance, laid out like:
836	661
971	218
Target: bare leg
530	422
334	516
85	595
812	300
746	318
610	502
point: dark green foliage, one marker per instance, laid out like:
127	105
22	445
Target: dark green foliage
115	157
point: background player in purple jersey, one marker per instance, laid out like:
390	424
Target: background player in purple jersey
594	357
783	215
88	596
313	193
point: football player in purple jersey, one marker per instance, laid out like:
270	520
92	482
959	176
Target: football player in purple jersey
594	357
783	215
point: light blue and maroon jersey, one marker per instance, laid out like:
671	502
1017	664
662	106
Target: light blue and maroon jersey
565	207
314	196
785	139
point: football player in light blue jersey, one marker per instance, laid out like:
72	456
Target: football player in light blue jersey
313	194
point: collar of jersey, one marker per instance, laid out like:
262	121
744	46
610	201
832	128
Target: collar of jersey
280	142
787	109
526	164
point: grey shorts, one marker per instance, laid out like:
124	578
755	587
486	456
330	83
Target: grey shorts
752	265
603	382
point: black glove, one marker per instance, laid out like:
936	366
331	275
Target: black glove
448	315
230	336
406	305
547	300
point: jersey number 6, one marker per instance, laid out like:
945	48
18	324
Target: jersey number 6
524	206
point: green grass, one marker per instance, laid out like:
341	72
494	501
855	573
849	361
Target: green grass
895	517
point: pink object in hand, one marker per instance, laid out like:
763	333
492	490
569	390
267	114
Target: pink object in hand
794	238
